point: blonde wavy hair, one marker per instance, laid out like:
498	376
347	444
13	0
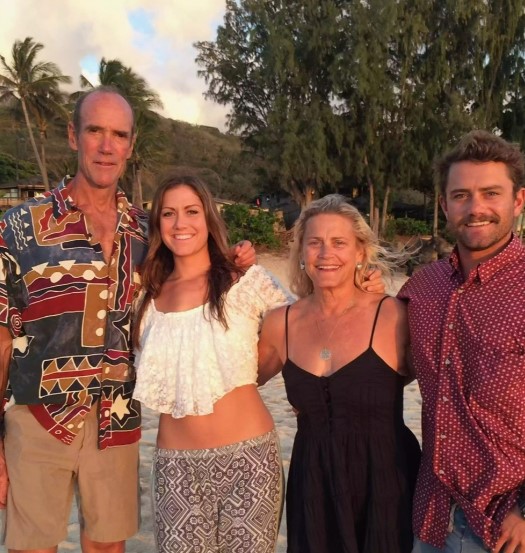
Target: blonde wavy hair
374	255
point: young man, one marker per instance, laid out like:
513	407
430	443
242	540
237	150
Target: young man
467	327
69	275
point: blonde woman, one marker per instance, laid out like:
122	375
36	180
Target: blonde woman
342	354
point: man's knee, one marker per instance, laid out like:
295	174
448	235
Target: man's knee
90	546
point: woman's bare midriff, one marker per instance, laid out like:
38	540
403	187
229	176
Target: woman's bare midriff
239	415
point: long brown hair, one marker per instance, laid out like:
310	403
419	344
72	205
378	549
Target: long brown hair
160	263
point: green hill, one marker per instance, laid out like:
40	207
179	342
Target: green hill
231	172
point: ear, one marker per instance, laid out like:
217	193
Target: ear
132	145
519	201
443	204
360	253
72	137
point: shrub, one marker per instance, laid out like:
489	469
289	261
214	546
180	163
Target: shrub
245	223
407	226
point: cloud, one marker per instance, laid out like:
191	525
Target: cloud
154	37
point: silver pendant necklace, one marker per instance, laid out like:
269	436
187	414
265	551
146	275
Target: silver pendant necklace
326	353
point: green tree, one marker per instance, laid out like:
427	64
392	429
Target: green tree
510	82
144	100
366	92
36	86
469	76
272	62
46	108
376	81
502	33
12	169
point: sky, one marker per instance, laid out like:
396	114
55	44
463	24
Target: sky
154	37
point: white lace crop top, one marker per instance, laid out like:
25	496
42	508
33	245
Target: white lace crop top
188	360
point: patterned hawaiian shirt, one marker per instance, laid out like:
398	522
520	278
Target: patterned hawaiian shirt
70	315
468	342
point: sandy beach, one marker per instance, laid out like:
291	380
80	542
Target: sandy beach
274	396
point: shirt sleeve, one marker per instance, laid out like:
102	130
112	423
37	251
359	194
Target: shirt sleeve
11	288
404	292
268	290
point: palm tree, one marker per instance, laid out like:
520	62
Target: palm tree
36	86
45	108
143	100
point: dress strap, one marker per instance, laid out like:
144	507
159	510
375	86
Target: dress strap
286	328
375	320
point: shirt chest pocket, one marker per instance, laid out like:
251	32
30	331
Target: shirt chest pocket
495	397
498	379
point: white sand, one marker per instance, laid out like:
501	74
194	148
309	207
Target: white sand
274	395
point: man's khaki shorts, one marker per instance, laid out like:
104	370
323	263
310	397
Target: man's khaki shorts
44	473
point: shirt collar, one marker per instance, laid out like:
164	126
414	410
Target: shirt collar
63	203
484	271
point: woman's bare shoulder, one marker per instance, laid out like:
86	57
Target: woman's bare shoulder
392	309
392	303
276	317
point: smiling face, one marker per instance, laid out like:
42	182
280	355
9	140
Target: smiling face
480	207
183	226
104	141
330	250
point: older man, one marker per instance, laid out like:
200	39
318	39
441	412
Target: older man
70	273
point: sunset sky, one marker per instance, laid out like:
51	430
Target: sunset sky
154	37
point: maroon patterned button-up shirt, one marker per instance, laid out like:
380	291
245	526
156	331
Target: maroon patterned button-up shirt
468	341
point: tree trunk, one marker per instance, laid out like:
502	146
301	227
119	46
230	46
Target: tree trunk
302	198
375	228
309	193
384	211
371	206
296	193
136	187
45	176
33	144
436	213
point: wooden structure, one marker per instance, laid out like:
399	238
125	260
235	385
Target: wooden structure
15	193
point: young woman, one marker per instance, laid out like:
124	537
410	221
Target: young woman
217	476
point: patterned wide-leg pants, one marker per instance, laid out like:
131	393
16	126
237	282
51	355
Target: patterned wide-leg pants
222	500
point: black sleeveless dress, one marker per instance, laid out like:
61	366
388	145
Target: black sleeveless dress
354	462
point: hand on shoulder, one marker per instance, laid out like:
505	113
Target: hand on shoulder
243	254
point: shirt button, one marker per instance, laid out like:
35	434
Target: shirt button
451	326
445	399
442	436
441	472
447	361
461	290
